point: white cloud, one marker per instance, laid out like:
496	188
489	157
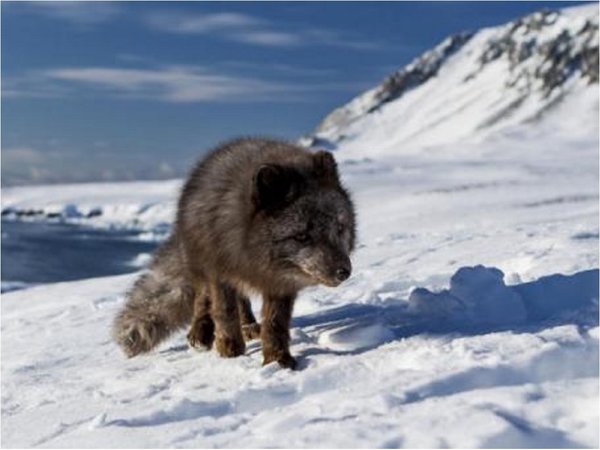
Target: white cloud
179	84
21	155
165	170
228	26
30	85
26	165
200	24
173	84
76	12
268	38
249	29
22	165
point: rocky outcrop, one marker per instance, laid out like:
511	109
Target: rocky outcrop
539	59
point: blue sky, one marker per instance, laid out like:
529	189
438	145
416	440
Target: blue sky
136	90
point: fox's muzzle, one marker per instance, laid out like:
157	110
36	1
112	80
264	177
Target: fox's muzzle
325	265
340	269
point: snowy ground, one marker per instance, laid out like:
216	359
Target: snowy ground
382	365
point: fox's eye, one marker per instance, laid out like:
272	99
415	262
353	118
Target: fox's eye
303	238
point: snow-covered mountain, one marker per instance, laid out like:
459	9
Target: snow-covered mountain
475	84
471	317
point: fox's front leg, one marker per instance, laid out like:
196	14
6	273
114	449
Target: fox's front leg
229	340
275	330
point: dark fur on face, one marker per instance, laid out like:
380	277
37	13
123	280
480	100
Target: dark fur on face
312	236
256	215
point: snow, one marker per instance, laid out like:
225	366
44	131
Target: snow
371	375
470	320
473	95
426	345
141	260
141	205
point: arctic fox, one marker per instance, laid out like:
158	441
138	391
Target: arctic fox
255	216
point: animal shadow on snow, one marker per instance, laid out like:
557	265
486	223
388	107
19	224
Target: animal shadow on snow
477	302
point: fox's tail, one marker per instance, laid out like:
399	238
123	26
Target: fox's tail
159	303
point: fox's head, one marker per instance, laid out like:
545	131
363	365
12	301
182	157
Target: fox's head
307	220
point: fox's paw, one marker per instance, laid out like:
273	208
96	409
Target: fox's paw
285	360
202	335
229	347
251	331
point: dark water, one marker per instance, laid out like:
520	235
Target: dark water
45	253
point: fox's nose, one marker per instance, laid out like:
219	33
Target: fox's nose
342	274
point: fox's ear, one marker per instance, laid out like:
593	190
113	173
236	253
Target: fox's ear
275	186
325	167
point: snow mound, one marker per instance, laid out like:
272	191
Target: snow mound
478	300
478	295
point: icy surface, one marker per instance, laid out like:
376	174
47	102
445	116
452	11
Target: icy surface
470	320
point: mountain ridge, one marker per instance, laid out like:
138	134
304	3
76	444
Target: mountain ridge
504	75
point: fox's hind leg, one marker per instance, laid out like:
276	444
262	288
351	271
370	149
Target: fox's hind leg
202	333
250	329
229	340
